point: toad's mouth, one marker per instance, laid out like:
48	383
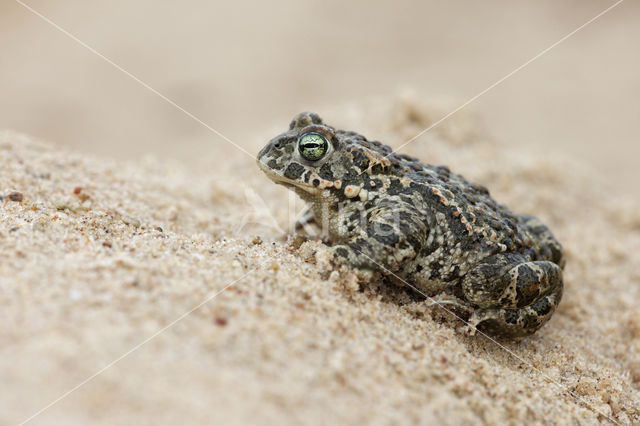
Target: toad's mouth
286	182
295	185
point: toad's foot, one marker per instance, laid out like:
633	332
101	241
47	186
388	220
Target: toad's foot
444	300
448	299
304	220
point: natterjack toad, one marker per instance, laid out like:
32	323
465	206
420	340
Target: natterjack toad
389	213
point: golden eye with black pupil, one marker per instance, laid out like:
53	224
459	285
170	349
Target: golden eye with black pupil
312	146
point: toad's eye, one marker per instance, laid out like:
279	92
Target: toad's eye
312	146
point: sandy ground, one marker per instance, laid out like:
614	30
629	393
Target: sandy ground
185	278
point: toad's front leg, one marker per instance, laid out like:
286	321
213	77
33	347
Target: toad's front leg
305	219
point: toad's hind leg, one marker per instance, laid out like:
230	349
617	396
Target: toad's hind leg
516	323
517	302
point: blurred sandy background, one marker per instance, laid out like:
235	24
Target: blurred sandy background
101	254
243	67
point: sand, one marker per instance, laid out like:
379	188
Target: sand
171	288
